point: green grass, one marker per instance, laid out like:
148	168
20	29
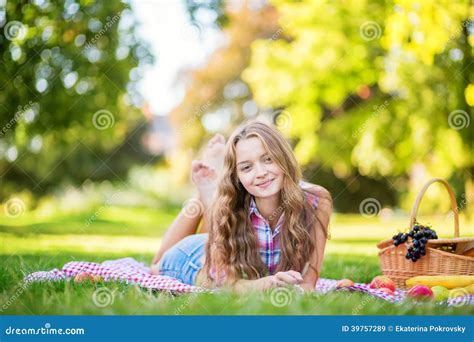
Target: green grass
31	243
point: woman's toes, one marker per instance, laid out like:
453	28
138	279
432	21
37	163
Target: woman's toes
217	138
202	172
220	138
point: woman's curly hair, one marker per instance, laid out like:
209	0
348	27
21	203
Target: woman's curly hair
232	250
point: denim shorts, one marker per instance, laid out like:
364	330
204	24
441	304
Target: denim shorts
182	261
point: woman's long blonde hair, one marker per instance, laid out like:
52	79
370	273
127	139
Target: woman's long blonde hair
232	248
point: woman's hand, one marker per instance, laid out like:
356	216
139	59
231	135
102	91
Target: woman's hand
156	258
278	279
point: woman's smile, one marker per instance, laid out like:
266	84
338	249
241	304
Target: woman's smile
265	184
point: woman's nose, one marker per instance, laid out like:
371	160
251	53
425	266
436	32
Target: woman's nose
261	170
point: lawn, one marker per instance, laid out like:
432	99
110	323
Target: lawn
32	243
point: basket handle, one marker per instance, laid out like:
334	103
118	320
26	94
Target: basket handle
454	204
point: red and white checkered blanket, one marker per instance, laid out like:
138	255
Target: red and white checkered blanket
131	271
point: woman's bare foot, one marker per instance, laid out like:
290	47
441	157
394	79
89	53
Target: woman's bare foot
205	174
204	177
215	151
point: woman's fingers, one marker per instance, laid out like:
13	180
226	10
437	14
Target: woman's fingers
287	278
277	282
296	275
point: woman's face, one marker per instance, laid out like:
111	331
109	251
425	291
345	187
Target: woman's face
257	172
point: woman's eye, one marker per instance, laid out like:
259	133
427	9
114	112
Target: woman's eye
268	159
245	168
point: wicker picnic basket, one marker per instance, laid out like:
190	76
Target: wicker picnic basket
435	262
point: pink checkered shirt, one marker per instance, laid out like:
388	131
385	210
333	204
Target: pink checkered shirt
268	240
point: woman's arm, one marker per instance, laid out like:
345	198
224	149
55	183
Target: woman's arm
321	227
265	283
268	282
183	225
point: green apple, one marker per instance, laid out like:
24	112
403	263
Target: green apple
440	293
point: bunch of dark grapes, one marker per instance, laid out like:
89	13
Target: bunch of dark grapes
419	236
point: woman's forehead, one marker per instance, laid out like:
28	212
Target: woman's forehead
249	149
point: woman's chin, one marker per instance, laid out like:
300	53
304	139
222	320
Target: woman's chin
271	191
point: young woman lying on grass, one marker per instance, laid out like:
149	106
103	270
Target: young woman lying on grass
262	226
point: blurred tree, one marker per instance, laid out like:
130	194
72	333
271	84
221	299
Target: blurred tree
215	94
68	96
217	99
380	87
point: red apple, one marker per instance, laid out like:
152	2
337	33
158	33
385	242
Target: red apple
420	292
344	283
83	276
387	291
382	282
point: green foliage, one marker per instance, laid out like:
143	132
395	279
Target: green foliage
68	298
373	88
67	88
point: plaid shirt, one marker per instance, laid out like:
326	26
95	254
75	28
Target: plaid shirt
268	240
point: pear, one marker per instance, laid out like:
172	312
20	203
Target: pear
440	293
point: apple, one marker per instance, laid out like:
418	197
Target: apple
387	291
382	281
440	293
344	283
420	292
83	276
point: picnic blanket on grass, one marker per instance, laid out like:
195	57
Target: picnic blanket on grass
130	270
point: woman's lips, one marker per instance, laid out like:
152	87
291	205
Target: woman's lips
266	184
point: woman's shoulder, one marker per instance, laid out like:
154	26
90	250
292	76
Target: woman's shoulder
315	194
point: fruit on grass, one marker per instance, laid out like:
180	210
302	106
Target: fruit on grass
382	281
440	293
83	276
448	281
420	292
344	283
387	291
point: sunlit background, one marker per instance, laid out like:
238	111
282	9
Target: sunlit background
103	106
